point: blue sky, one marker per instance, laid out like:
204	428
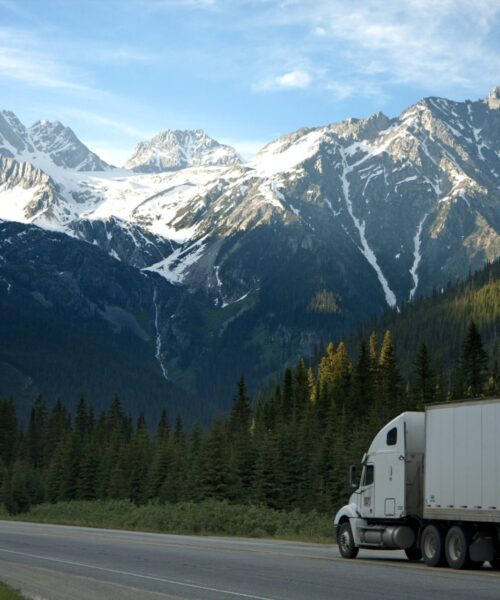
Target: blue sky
246	71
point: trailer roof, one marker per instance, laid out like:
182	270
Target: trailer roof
469	401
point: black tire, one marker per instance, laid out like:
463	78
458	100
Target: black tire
495	564
414	553
456	546
345	541
432	546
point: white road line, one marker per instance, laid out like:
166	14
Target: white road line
150	577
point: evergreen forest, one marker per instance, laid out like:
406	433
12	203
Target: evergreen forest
287	449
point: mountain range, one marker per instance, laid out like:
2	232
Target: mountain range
212	267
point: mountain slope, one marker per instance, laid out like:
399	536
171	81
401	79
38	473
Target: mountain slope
441	321
74	321
268	260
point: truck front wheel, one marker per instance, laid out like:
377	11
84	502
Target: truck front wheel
345	541
432	546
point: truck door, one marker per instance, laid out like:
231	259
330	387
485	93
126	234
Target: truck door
390	462
367	491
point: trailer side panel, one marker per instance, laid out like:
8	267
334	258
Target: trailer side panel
462	461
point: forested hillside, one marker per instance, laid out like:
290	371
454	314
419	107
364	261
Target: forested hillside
288	449
441	321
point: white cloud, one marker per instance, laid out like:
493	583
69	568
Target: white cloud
440	47
294	79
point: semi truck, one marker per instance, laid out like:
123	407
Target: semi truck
429	485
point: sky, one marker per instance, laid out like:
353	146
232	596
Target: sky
245	71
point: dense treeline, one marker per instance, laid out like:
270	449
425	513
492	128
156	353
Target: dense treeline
289	449
441	321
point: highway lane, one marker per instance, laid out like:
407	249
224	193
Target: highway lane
71	563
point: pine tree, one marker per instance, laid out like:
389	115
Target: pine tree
173	487
160	459
35	435
286	408
342	374
57	429
473	363
140	458
8	432
220	478
194	465
389	380
88	471
424	388
363	382
265	487
302	392
241	455
239	419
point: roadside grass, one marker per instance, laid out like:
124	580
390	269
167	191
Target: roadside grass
7	593
211	517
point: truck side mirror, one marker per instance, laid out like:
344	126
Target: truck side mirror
353	476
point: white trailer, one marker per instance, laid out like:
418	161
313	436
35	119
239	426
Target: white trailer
430	485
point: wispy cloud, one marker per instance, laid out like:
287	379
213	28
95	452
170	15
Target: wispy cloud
424	42
23	59
120	126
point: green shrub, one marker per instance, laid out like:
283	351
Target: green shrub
7	593
211	517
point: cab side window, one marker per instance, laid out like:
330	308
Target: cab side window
368	475
392	436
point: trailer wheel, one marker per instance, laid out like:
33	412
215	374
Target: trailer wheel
432	546
345	540
414	553
457	545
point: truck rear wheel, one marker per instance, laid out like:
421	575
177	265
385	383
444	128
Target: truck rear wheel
345	540
457	545
432	546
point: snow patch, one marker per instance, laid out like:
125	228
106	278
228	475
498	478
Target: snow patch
390	297
158	334
416	256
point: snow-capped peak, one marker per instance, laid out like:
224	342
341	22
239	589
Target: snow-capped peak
171	150
63	147
493	100
45	144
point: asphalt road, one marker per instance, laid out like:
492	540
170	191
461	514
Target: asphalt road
52	562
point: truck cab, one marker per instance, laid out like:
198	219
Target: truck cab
388	496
